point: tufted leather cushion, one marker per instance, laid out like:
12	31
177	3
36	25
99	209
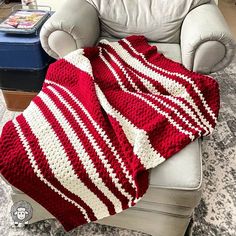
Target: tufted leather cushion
158	20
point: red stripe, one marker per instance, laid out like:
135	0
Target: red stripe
46	171
156	84
126	102
91	150
109	155
139	116
17	170
116	68
140	174
77	81
137	80
176	67
121	75
166	140
64	73
172	113
70	151
144	91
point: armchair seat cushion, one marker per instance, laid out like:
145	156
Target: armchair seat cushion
169	50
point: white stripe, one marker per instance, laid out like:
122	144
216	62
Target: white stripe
77	59
58	160
148	153
84	157
170	85
146	83
121	84
181	76
38	173
154	97
157	109
178	114
138	138
175	100
122	69
101	132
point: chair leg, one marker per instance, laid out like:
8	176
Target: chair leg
189	228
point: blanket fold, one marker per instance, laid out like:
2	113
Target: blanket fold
104	117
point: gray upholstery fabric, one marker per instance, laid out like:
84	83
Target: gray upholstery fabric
157	20
187	162
215	52
62	43
77	19
170	50
202	25
154	219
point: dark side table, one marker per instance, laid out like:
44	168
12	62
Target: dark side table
9	1
23	67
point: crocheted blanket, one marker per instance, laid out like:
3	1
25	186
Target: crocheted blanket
105	115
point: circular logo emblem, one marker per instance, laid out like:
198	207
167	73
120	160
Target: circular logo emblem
21	213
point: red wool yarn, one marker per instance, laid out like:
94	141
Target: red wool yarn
105	116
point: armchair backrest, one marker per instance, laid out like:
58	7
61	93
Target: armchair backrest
158	20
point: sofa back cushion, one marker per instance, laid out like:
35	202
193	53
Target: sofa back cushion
158	20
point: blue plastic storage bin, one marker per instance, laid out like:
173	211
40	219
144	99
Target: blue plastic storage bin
22	52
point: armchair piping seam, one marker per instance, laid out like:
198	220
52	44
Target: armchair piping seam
201	43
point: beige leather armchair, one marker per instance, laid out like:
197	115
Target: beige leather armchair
189	31
193	30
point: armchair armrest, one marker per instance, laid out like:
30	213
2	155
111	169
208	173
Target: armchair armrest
206	42
74	25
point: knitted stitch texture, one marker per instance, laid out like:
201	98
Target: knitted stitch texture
105	116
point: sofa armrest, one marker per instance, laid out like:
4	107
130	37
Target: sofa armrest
206	42
74	25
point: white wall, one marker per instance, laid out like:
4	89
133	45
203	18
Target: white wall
54	4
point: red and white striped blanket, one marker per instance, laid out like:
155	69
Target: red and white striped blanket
104	117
